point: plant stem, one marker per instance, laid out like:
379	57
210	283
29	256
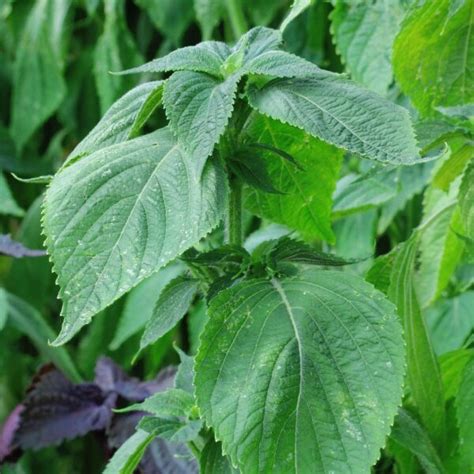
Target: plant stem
234	232
236	16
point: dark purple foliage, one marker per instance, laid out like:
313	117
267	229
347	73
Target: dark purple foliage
56	409
17	250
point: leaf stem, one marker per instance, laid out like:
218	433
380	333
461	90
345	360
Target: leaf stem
234	234
237	19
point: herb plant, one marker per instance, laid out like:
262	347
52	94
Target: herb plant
274	205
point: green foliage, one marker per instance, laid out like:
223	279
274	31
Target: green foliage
194	195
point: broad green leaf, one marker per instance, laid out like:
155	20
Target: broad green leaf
212	461
379	273
364	34
171	306
466	200
434	55
354	193
119	214
171	17
8	204
208	56
451	321
140	302
427	391
185	373
208	14
172	429
408	433
3	308
342	113
301	374
172	402
257	41
126	458
39	86
465	417
298	7
123	120
29	321
114	51
303	205
199	107
452	367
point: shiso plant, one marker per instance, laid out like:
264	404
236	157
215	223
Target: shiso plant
306	360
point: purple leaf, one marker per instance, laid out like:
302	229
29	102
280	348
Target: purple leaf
111	378
56	409
15	249
8	431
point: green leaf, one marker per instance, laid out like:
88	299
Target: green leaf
427	392
408	433
466	200
140	302
451	321
29	321
298	7
379	273
172	402
440	248
39	86
302	205
465	417
114	51
185	373
453	166
208	56
118	215
212	461
8	204
257	41
364	34
198	108
452	367
209	14
123	120
172	429
126	458
301	374
342	113
464	111
434	57
171	306
3	308
375	187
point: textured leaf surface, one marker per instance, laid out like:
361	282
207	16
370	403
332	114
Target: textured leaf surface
119	214
301	374
434	55
123	119
8	205
198	108
339	112
465	417
170	308
364	34
172	429
213	462
306	199
208	56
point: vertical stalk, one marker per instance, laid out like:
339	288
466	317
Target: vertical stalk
234	231
237	19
